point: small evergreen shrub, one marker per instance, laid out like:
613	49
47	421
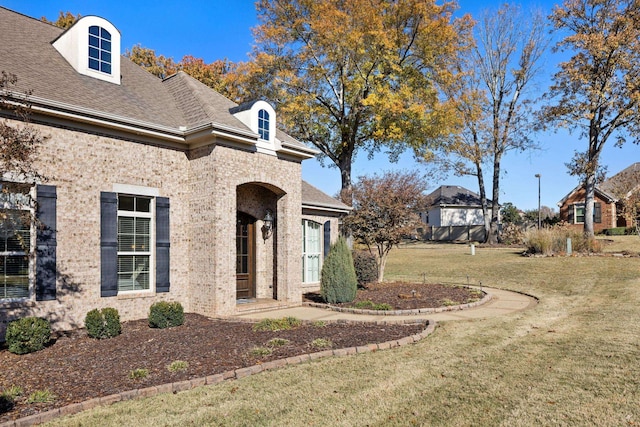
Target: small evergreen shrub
338	281
103	323
366	267
165	314
617	231
27	335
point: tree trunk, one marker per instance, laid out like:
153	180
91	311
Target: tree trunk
590	187
492	239
483	200
346	190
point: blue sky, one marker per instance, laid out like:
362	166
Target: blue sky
212	29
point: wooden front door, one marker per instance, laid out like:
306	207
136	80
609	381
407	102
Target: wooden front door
245	256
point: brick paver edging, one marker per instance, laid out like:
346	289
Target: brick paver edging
218	378
486	298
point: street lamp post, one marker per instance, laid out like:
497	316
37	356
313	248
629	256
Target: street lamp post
539	222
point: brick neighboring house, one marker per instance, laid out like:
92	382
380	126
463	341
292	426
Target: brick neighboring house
607	212
154	189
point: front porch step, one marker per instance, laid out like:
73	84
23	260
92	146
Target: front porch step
254	305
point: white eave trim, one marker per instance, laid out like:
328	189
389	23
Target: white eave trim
327	208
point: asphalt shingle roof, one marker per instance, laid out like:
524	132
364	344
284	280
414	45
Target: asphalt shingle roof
313	197
178	102
454	195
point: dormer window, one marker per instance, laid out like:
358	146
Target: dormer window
263	124
92	47
99	49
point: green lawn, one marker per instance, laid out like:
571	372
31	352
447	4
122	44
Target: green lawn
571	360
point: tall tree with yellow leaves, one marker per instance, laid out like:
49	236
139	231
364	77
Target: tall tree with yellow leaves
597	91
360	75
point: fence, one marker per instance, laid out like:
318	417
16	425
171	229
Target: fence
455	232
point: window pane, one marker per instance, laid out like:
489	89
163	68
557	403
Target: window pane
105	34
126	203
94	42
105	68
14	277
105	56
95	30
143	205
94	64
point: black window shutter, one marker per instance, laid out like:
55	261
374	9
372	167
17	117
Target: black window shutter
570	218
162	244
45	242
597	212
327	238
108	244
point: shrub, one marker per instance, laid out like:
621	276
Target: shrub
321	343
260	352
178	365
27	335
282	324
370	305
554	240
103	323
338	282
139	374
278	342
617	231
41	396
166	314
366	267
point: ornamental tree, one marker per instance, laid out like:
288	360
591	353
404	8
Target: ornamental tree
385	209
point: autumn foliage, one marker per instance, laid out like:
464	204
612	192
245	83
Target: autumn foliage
385	210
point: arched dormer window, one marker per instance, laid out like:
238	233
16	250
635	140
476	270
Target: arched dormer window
263	124
92	47
99	49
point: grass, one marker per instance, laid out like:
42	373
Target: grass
275	325
571	360
139	374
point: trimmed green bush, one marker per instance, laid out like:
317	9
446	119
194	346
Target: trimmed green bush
165	314
27	335
338	281
103	323
366	267
617	231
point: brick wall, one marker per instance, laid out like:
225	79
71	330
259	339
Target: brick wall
206	187
608	211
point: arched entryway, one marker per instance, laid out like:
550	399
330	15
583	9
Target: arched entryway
245	256
256	245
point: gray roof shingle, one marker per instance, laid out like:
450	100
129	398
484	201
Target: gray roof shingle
177	103
454	195
315	198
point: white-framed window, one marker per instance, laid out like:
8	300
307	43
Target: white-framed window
263	124
135	242
16	246
579	212
99	49
311	251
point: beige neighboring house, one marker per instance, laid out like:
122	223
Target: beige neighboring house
153	189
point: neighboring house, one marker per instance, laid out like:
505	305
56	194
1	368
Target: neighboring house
152	189
454	213
607	207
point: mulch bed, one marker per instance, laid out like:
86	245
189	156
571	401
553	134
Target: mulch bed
76	368
409	296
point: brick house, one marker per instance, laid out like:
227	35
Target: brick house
607	209
152	189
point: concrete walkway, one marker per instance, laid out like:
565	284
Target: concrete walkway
502	302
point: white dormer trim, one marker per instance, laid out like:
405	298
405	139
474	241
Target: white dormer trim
73	45
249	114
